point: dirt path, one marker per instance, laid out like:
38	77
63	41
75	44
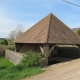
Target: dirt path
63	71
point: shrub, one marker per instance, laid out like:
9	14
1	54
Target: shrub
32	59
5	42
4	47
2	52
78	31
2	43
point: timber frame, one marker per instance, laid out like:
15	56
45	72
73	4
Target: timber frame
46	50
18	46
45	35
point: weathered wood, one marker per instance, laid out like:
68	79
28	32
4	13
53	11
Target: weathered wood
18	46
15	47
46	53
52	48
42	50
78	46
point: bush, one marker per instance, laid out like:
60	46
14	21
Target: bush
4	47
78	31
2	52
2	43
5	42
32	59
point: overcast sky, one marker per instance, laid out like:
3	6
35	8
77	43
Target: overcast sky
29	12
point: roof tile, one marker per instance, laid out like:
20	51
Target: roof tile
49	30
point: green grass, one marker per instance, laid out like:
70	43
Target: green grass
8	71
4	63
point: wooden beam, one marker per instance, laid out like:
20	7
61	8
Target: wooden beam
18	46
52	48
15	47
46	53
42	50
78	46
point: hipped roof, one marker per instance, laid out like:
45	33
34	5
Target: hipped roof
49	30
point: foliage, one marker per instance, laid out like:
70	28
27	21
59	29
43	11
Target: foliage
8	71
10	42
78	31
5	42
4	63
1	41
32	59
10	47
15	33
4	47
2	52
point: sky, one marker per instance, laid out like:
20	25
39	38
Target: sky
28	12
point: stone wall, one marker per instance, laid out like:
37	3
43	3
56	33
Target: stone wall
13	56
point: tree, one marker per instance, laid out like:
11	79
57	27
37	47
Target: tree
15	33
5	42
78	31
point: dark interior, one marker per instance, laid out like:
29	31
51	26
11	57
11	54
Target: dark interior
63	54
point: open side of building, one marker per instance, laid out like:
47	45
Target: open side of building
45	35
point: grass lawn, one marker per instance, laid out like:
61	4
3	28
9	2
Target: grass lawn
8	71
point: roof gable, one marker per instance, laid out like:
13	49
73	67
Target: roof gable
37	33
60	33
49	30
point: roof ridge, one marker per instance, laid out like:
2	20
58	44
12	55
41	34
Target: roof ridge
49	27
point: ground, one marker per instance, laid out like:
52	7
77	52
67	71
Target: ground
69	70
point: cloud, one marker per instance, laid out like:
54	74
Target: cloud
4	21
28	13
7	25
3	30
73	25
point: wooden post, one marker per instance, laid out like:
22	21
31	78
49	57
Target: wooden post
18	46
42	50
15	47
46	53
78	46
51	49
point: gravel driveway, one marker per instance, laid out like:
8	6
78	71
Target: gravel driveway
69	70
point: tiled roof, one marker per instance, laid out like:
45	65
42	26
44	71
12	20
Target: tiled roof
49	30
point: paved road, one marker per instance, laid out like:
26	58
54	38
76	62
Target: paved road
63	71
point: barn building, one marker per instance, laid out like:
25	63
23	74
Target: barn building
45	35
